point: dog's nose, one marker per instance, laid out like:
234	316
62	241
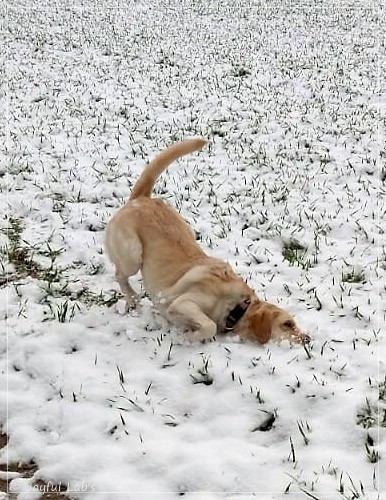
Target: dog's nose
305	338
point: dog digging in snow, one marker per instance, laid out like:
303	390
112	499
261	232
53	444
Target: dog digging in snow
200	294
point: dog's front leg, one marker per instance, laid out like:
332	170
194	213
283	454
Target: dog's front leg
187	313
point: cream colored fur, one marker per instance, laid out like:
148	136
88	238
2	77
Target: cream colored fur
194	290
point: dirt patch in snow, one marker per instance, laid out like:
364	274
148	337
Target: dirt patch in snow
27	470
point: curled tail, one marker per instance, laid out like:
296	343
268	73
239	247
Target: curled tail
144	185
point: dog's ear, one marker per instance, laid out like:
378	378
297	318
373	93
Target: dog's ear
260	325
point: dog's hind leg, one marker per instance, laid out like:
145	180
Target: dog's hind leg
130	294
125	252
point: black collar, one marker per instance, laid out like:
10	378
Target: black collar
236	314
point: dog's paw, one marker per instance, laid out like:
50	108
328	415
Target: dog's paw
199	336
131	305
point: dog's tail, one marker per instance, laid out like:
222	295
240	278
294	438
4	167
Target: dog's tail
144	185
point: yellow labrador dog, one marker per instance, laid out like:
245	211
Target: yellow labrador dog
199	293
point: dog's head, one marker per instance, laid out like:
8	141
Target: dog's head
264	321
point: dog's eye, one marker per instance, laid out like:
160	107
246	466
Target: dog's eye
289	324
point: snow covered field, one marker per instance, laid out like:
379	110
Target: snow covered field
290	191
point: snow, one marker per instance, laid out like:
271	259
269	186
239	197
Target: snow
119	405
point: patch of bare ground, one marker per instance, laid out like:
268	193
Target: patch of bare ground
50	491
